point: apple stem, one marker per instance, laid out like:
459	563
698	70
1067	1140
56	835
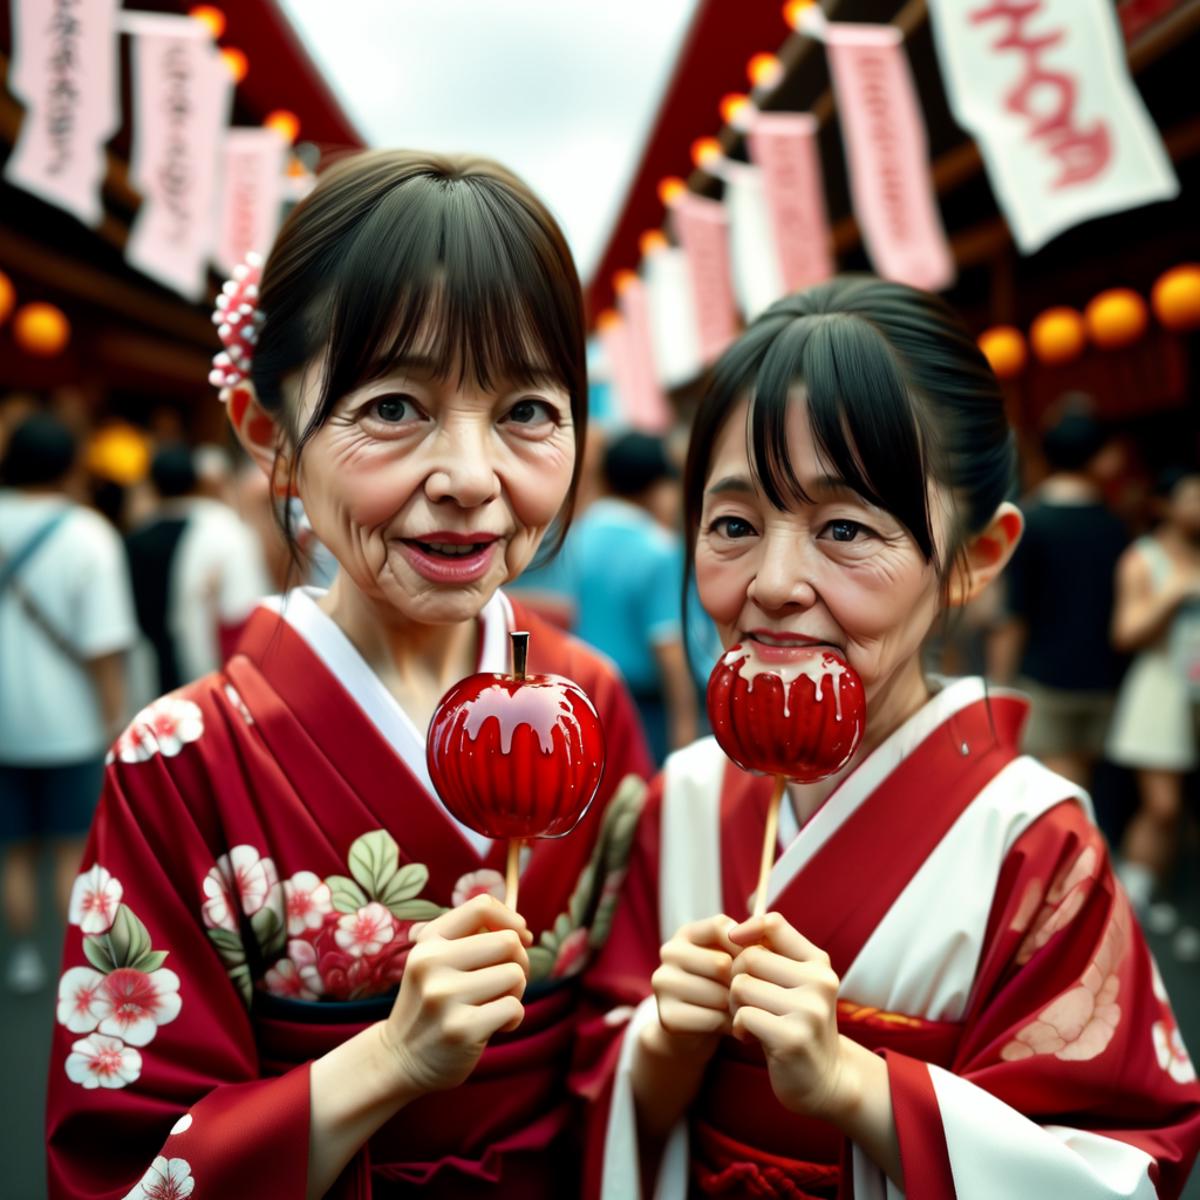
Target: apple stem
770	837
520	652
512	872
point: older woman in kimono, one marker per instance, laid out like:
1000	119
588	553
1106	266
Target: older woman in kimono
949	995
268	861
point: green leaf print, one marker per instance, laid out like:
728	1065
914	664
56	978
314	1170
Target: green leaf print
269	931
405	884
242	981
541	962
415	910
125	942
150	961
95	948
229	946
348	897
373	861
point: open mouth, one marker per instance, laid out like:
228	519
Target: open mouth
450	550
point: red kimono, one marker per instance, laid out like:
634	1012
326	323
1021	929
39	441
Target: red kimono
983	946
266	841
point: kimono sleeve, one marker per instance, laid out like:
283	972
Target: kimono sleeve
155	1086
1071	1078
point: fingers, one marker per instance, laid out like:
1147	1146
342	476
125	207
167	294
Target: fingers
471	953
474	1024
754	1023
679	1018
762	963
479	913
702	961
712	932
477	988
773	931
676	983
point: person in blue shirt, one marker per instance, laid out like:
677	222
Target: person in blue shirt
626	567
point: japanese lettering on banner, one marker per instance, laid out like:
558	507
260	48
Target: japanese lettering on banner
757	276
64	70
784	145
702	227
182	94
671	304
888	155
1044	88
252	195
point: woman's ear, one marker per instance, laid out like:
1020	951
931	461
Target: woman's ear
985	555
260	435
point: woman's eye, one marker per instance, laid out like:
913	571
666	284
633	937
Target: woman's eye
530	412
392	409
732	527
845	531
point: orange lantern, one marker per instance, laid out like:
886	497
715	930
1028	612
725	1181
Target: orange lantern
1058	335
285	123
608	319
41	329
8	297
236	62
764	70
1004	348
1116	318
706	152
623	280
1176	298
733	106
651	241
213	19
794	10
670	189
120	453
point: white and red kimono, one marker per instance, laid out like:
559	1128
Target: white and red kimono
266	841
968	906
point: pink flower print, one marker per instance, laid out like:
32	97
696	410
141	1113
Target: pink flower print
1063	902
572	954
99	1061
1080	1023
485	882
284	979
164	727
1170	1051
133	1004
95	896
167	1179
241	879
304	955
307	899
78	1008
365	932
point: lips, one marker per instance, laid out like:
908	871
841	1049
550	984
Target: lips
450	558
773	645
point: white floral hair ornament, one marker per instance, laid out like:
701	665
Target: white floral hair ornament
238	320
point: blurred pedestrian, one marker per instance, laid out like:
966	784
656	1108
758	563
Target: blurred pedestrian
198	573
1060	604
626	561
66	621
1157	722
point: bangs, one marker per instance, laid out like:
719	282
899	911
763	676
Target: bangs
863	416
454	274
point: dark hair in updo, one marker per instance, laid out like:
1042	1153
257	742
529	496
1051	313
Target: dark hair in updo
897	393
398	254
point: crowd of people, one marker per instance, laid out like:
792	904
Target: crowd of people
276	938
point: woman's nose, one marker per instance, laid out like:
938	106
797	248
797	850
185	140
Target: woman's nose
461	469
784	578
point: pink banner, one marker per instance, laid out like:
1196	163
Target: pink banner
757	278
784	145
888	155
252	193
644	404
672	308
64	70
181	99
702	227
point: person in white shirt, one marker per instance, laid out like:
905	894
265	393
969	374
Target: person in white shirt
66	621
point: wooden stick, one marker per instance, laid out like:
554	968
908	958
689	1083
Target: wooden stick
770	838
511	874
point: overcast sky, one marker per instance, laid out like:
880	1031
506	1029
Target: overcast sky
561	91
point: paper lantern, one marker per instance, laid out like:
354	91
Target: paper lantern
764	70
1176	298
1004	348
733	106
285	123
236	62
623	280
119	453
1116	318
670	189
608	319
1058	336
8	297
706	152
41	329
793	11
213	19
652	241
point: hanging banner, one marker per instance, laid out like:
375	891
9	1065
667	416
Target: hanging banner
784	145
252	195
671	305
888	155
702	227
613	334
757	275
182	93
644	402
1044	88
64	70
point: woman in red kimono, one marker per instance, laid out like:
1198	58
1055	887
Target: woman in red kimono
268	861
949	996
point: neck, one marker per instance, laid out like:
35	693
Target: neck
899	697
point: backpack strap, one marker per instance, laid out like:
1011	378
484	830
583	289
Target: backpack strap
14	562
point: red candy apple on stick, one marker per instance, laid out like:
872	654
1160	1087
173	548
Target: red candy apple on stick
792	711
516	756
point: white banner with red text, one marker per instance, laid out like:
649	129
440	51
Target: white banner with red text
252	195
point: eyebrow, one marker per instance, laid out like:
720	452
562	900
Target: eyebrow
526	374
822	483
